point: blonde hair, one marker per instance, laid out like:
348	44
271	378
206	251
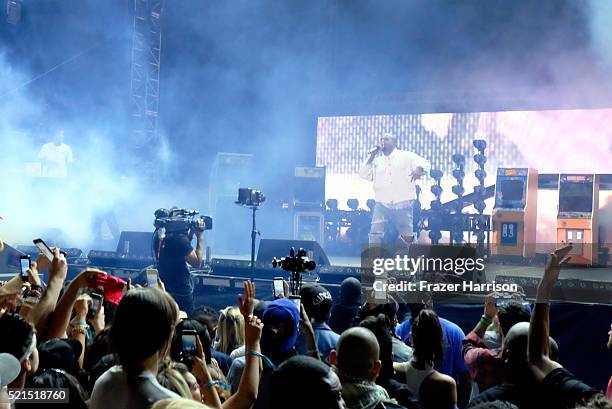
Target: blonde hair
178	403
172	379
230	330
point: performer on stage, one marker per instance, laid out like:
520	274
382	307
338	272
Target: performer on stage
394	174
55	157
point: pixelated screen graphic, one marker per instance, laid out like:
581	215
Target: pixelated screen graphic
552	141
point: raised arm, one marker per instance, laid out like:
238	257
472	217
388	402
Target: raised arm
200	371
246	394
40	313
61	316
308	331
490	311
538	346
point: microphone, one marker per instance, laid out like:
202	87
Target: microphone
373	150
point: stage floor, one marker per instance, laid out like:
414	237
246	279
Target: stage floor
492	270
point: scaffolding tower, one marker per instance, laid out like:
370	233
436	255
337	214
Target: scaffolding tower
146	53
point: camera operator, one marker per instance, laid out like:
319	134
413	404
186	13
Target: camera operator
174	252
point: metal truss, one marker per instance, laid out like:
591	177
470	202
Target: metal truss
146	52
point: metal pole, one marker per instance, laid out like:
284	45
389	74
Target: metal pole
253	236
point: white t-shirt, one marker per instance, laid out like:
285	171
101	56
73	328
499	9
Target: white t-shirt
113	391
55	159
391	176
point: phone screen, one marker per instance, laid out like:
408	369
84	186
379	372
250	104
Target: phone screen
278	288
96	299
296	299
152	276
25	264
189	343
44	249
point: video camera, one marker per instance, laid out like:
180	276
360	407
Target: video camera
178	220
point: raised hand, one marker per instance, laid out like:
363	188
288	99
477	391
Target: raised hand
9	301
490	309
89	278
81	306
553	266
59	266
252	331
246	302
305	324
33	277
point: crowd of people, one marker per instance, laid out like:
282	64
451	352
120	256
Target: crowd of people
137	349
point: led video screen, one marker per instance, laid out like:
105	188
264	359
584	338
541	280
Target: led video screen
552	141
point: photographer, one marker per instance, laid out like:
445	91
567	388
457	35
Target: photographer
173	251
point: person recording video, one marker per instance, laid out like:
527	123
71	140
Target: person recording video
393	174
174	251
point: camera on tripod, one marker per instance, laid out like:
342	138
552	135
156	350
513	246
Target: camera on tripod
296	264
178	220
250	197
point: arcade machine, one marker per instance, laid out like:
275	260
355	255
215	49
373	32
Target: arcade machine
515	213
577	218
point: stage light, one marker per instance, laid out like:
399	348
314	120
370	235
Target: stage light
353	204
480	144
458	174
371	203
458	190
436	174
332	204
480	174
480	159
459	159
436	190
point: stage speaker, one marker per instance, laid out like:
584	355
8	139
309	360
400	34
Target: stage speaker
270	248
308	226
135	243
309	188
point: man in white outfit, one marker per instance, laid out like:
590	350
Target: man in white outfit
55	157
394	174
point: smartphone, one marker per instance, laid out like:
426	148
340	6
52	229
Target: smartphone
188	337
278	289
25	263
296	299
96	300
44	249
152	276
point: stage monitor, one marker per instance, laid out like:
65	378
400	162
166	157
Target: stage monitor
576	193
510	188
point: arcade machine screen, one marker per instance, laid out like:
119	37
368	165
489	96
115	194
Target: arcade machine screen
512	191
576	197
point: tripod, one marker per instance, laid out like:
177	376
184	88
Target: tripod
254	233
